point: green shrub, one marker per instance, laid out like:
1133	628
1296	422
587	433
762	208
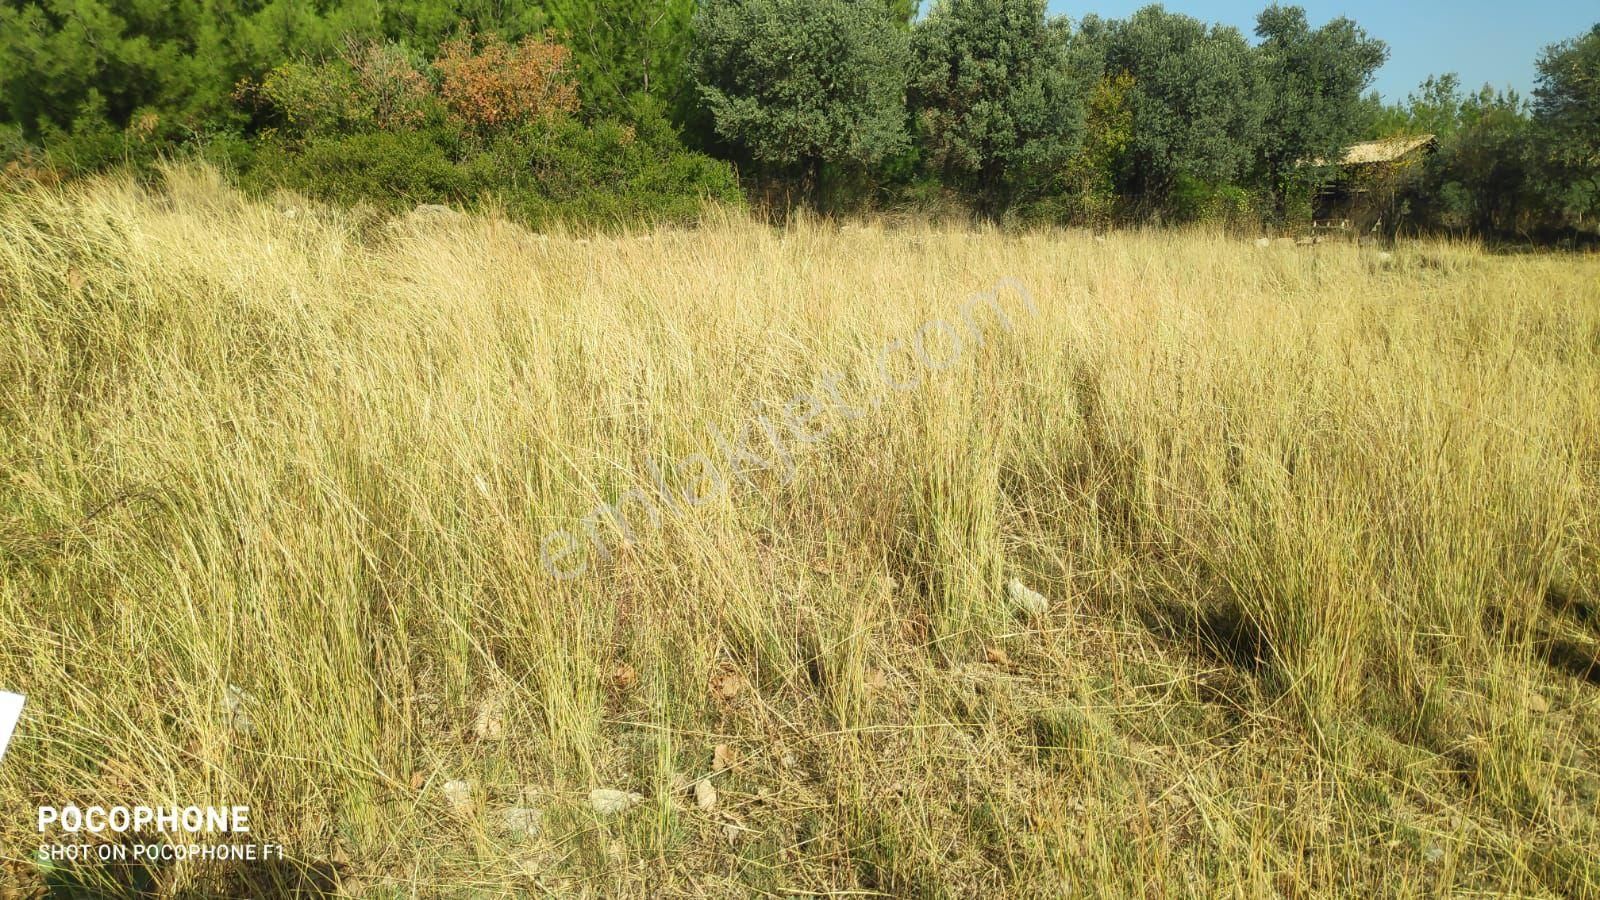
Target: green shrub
368	86
230	151
92	143
1085	208
1225	205
605	174
392	169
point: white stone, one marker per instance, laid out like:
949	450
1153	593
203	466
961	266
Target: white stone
458	796
1027	600
607	802
705	795
521	821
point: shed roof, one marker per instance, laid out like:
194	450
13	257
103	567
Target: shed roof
1387	150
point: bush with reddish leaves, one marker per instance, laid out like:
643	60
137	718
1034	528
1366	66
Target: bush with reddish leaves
485	119
489	85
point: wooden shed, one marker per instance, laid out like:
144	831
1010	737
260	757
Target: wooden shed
1362	196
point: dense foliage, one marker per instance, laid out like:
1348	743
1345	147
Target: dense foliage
1507	167
1567	109
997	95
485	119
628	47
993	105
1312	81
802	83
1196	101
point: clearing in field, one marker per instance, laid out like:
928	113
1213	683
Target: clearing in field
748	561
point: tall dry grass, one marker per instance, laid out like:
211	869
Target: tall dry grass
1318	530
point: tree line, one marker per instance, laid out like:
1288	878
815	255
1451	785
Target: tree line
616	110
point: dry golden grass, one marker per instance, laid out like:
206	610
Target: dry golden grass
1320	534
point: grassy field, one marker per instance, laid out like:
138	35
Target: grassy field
309	511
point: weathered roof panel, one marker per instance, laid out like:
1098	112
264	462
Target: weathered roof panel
1386	150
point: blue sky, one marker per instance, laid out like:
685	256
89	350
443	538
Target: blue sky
1488	42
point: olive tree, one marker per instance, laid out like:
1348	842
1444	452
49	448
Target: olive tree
997	95
1195	98
1312	80
1567	111
798	84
